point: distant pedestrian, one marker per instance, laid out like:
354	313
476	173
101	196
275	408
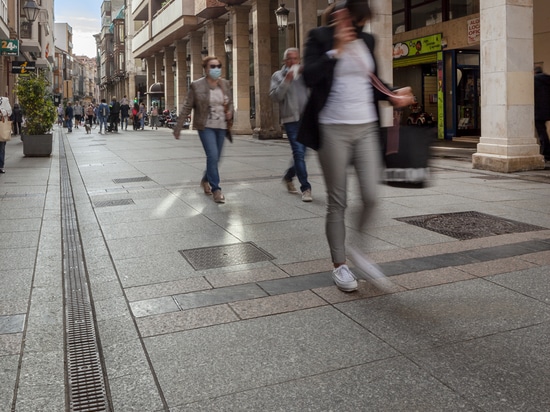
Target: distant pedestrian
102	115
154	116
90	113
542	110
289	90
114	112
135	116
78	112
142	112
124	113
210	99
60	115
5	112
69	115
17	119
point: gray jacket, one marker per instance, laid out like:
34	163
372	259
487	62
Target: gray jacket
292	96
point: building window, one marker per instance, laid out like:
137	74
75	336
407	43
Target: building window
461	8
425	13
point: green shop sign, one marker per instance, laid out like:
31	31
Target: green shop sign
10	47
415	47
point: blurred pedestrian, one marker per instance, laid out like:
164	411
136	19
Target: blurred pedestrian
289	90
5	113
154	120
78	112
135	118
114	112
124	113
341	122
17	119
142	112
69	115
210	99
542	110
102	115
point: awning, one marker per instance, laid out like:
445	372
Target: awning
411	61
43	63
156	88
29	45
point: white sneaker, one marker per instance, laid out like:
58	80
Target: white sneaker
344	279
370	271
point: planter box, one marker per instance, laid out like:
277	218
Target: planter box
37	145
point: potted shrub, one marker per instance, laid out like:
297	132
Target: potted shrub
39	112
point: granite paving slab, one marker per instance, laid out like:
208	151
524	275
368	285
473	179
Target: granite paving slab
388	385
263	351
431	317
507	371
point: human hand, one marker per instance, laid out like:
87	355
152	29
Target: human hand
344	31
402	97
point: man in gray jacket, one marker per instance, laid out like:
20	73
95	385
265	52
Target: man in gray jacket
289	90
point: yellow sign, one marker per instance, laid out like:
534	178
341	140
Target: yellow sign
415	47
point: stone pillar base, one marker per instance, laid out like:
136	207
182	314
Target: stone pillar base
241	125
262	134
506	164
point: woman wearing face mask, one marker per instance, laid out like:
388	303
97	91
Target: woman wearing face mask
210	99
340	121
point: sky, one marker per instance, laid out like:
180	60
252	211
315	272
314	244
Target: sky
85	19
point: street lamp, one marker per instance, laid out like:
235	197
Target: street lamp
228	44
31	10
282	16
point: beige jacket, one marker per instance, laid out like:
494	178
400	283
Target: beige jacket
198	100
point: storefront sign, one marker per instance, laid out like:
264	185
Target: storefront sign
415	47
9	47
23	67
473	31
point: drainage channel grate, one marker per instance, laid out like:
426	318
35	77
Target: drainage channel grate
132	179
226	255
118	202
469	225
84	369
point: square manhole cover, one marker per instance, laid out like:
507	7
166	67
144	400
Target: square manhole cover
226	255
469	225
117	202
132	179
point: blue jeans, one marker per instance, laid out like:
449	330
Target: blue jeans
2	154
298	167
102	124
212	141
70	124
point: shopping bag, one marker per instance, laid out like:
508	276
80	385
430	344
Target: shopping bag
5	129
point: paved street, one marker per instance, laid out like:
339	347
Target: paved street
125	288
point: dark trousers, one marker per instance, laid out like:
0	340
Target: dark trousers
16	127
113	122
543	138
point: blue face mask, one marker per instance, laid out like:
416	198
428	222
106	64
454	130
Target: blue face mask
215	73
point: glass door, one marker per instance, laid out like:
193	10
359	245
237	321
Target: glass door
468	101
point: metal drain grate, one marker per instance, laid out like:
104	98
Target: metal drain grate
227	255
469	225
494	177
84	369
118	202
132	179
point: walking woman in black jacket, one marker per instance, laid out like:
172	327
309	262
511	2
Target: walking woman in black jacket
341	122
16	118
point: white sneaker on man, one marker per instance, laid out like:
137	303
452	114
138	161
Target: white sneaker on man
370	271
344	279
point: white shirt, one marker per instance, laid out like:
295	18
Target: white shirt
351	99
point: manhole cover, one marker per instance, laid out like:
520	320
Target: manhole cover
468	225
132	179
118	202
227	255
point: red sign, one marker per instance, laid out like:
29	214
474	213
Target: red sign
474	30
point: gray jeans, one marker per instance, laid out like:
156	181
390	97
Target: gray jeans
344	145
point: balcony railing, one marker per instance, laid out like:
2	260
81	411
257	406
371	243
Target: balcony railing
141	37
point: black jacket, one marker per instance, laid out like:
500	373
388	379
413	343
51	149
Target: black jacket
542	97
318	74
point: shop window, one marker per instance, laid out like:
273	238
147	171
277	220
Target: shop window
426	14
461	8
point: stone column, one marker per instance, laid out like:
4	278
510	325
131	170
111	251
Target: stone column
381	27
196	58
507	142
181	72
150	78
241	69
169	100
215	30
263	34
159	63
307	20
